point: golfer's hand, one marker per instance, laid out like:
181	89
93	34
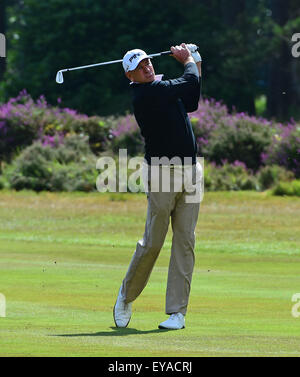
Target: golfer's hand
182	54
195	54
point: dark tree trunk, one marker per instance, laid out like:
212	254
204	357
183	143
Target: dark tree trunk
230	11
279	90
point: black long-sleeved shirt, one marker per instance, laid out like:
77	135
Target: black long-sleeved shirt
160	109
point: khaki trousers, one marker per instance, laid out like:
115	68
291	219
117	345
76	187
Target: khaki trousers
163	206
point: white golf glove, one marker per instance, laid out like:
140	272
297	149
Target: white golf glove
195	54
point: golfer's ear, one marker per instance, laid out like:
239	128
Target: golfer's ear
128	75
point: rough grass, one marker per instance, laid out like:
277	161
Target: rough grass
63	257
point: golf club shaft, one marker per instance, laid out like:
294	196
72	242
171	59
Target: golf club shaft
91	65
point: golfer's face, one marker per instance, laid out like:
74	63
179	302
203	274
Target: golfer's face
144	72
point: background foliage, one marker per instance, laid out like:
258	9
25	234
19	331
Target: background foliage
246	126
46	147
246	48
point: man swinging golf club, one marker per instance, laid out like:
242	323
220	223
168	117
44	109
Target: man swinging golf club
160	108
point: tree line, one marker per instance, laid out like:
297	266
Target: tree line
245	44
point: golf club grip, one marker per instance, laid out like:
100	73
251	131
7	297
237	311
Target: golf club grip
170	52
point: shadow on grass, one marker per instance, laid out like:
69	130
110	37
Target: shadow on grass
117	332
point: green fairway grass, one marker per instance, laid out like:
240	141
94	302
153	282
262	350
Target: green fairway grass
63	257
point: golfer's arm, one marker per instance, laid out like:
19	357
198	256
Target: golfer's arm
199	67
191	60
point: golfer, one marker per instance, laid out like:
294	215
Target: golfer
160	108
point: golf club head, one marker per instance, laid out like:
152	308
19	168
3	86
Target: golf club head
59	77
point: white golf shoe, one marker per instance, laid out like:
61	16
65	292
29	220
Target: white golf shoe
175	322
122	311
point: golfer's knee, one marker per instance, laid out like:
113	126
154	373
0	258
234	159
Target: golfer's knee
161	213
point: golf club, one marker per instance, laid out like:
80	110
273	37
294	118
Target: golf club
60	77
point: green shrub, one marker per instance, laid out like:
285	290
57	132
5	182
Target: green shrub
98	131
74	177
227	137
228	177
238	138
126	134
130	141
287	188
268	176
285	150
70	166
24	121
73	149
